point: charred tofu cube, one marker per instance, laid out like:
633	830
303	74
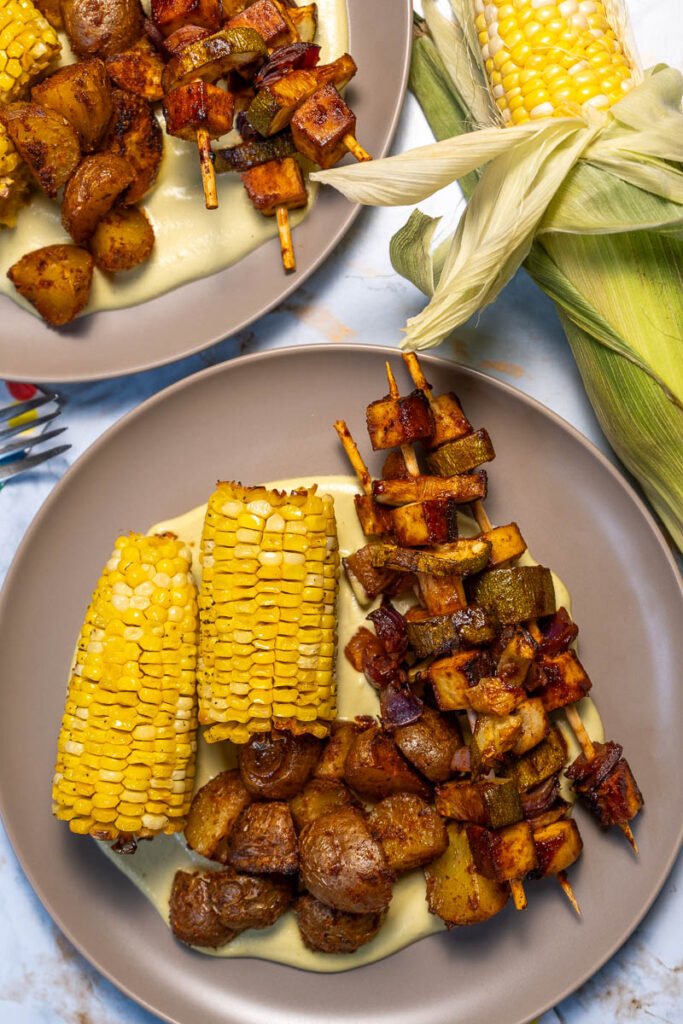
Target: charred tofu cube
429	744
493	736
409	829
320	125
617	798
375	520
506	543
450	422
263	840
495	696
453	677
492	803
535	725
169	15
558	845
198	105
270	19
274	105
503	855
423	523
392	422
540	763
276	183
564	680
367	581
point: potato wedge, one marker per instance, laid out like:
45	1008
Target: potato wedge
98	28
456	892
137	72
134	133
331	764
409	829
46	142
214	810
92	191
123	239
56	280
82	94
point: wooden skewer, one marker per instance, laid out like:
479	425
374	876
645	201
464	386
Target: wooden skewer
285	232
207	168
354	456
561	877
354	147
518	894
406	449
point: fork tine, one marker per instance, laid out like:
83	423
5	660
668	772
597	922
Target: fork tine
20	428
10	469
8	412
23	444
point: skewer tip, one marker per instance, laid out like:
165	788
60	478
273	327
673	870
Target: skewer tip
628	832
518	894
354	147
207	168
285	233
566	887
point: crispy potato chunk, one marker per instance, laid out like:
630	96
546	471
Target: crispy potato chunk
137	72
98	28
331	764
343	865
376	768
263	840
192	917
134	134
214	810
123	239
246	901
429	744
92	191
318	797
326	930
409	829
46	141
81	93
276	765
56	280
456	892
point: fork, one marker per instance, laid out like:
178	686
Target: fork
14	454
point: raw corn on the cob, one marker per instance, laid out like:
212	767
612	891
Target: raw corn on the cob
126	752
28	46
550	59
270	571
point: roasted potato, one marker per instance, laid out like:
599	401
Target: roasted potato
331	763
409	829
191	914
317	797
326	930
137	72
277	765
263	840
214	810
134	133
51	10
343	865
245	901
46	141
82	94
98	28
56	280
92	191
123	239
376	768
429	744
456	892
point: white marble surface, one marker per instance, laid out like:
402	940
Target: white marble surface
355	297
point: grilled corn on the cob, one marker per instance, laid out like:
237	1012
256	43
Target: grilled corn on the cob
549	59
267	613
126	752
28	46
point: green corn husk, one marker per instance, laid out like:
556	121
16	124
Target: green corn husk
607	248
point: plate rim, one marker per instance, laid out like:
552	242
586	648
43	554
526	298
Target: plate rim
289	288
300	351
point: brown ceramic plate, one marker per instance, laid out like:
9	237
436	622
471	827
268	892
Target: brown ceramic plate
270	416
198	314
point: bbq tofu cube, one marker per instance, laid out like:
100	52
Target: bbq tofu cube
564	680
558	845
506	543
617	798
505	854
493	736
270	20
169	15
438	594
320	125
367	581
495	696
450	421
198	105
492	803
276	183
453	677
422	523
392	422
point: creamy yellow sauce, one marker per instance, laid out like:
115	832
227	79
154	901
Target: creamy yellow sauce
154	864
191	242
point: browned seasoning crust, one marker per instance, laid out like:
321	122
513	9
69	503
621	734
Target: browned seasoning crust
276	765
263	840
191	913
248	901
326	930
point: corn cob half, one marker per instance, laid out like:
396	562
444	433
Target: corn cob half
126	751
270	572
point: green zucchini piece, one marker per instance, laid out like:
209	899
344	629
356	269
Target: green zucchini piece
463	556
214	56
462	455
440	634
534	767
493	803
253	153
517	594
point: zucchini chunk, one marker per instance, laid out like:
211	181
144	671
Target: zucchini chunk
517	594
462	455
